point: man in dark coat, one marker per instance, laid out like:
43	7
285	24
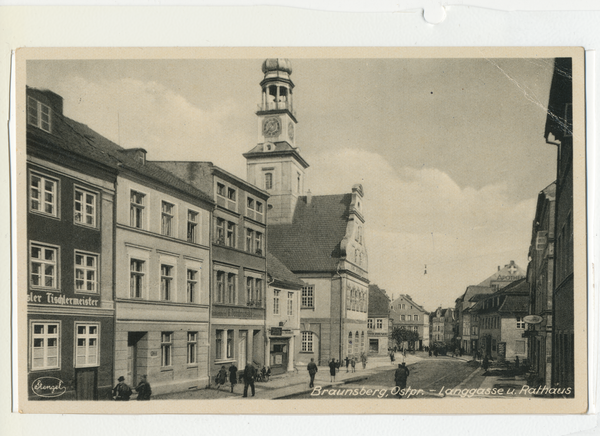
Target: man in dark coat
249	377
233	375
332	369
312	371
121	392
143	389
400	377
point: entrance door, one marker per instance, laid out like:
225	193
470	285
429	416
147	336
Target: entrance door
279	356
86	380
132	353
242	349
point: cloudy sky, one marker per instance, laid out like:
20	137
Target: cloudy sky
450	152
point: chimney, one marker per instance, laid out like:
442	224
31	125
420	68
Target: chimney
308	197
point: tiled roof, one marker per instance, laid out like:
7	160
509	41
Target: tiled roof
312	241
473	290
379	302
515	304
279	272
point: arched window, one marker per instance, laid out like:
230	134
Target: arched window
268	180
350	343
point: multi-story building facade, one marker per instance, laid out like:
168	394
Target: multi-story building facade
318	238
379	325
406	313
70	307
559	132
442	327
465	334
283	317
501	324
540	273
238	304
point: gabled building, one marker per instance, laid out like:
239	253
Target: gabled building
69	279
406	313
319	238
283	317
379	324
238	266
442	327
463	316
501	321
540	274
504	276
559	132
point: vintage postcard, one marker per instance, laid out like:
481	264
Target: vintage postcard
288	230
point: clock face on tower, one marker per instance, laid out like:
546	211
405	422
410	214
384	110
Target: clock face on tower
291	130
271	126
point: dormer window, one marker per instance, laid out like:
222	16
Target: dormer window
38	114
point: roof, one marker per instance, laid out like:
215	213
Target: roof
282	148
80	141
506	275
514	298
379	302
312	241
476	290
280	273
409	298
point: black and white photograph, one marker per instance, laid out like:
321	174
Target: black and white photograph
301	227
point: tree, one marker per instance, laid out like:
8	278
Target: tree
402	334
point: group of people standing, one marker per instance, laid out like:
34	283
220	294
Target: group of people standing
122	392
249	376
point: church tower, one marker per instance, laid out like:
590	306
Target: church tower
275	164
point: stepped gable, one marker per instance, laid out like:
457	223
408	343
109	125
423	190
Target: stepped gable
278	272
312	241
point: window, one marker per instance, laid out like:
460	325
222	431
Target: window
230	239
166	282
192	285
192	226
493	345
408	317
298	179
402	317
85	208
350	343
44	345
259	207
416	317
290	304
43	194
379	323
403	306
192	347
86	272
307	342
167	218
38	114
370	323
220	231
520	323
166	344
43	266
230	294
308	297
249	239
258	240
230	344
221	189
220	287
219	345
136	218
416	329
87	345
276	293
268	180
250	203
231	194
136	286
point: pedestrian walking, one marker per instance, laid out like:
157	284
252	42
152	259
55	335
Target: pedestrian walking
400	377
347	360
392	356
486	363
221	377
249	377
332	368
353	363
363	359
143	389
121	392
430	352
233	375
312	371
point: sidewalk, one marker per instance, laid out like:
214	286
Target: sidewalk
295	383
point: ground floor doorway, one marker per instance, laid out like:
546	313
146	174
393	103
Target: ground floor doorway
279	355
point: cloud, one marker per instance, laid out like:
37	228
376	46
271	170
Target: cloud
135	113
418	216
